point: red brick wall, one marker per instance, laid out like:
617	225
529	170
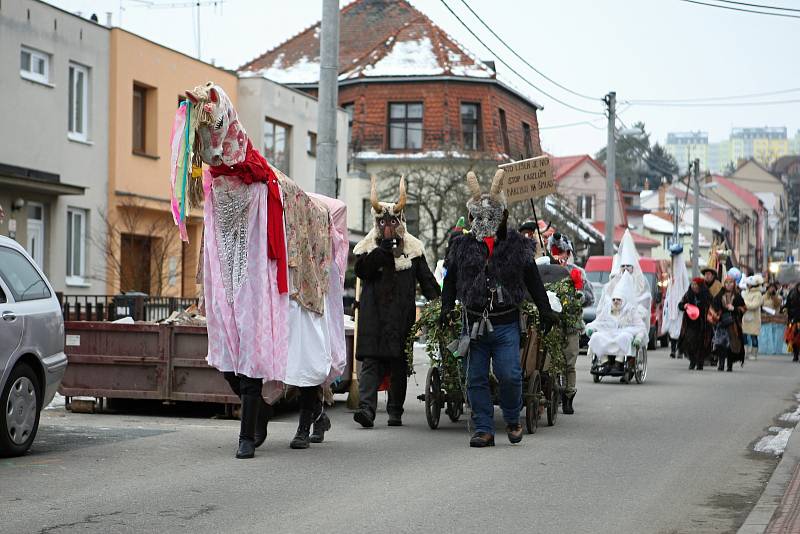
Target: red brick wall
441	114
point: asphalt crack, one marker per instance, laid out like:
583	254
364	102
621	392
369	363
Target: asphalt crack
90	519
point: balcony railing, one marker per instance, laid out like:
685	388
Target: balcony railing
113	307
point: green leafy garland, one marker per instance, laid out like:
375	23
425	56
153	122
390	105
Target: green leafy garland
438	335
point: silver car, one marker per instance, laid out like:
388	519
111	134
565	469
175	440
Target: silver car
32	359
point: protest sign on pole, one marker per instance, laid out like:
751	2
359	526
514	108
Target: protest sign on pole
528	179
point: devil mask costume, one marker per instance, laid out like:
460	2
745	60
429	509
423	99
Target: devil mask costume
390	263
490	270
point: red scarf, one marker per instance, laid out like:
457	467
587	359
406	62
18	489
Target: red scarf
490	242
254	169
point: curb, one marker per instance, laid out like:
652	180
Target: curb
759	517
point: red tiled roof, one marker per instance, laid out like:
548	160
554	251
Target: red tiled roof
563	165
619	231
370	31
752	200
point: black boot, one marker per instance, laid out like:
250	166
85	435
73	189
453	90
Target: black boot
566	405
301	438
265	413
795	358
249	418
321	425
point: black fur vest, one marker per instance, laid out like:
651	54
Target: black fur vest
505	268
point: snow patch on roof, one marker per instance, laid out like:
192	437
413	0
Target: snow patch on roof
407	58
304	71
656	224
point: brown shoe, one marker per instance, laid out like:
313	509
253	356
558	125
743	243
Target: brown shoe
481	439
514	433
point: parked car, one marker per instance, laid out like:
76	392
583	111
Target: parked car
32	359
598	270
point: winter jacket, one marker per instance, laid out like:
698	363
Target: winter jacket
792	305
694	334
751	321
387	307
735	329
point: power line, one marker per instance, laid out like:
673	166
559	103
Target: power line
777	8
540	73
714	104
742	10
711	98
510	68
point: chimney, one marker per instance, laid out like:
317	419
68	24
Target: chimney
662	196
108	19
647	184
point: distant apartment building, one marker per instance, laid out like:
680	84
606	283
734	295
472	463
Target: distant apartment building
765	145
54	69
688	146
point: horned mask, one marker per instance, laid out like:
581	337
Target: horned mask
486	209
390	219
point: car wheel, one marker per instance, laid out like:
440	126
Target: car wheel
19	411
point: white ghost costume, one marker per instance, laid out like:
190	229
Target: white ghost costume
642	293
672	317
614	330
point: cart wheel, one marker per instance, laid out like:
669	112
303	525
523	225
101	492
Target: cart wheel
433	396
532	394
641	366
554	398
454	410
596	379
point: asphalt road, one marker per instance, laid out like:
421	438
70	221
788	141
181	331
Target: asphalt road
671	455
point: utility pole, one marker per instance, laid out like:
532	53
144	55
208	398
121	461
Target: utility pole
611	172
696	221
325	178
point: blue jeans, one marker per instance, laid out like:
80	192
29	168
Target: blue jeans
502	347
751	340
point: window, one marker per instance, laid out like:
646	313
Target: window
470	126
526	133
586	207
21	277
78	101
405	126
311	144
139	119
76	245
276	144
504	132
34	65
350	109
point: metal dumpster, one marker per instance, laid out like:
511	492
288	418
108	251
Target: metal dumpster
149	361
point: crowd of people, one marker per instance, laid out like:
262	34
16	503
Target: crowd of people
729	320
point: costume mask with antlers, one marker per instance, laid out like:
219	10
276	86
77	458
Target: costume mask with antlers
486	210
390	219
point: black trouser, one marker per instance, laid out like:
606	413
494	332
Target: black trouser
311	399
372	373
722	355
673	346
243	385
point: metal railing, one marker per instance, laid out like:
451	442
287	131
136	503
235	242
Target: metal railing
113	307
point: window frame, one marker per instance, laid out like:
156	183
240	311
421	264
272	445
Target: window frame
350	109
405	121
72	131
269	153
476	123
581	206
527	139
142	91
311	144
73	278
30	74
504	131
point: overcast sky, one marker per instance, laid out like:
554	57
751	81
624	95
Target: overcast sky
642	49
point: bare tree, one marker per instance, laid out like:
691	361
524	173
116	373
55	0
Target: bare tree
138	244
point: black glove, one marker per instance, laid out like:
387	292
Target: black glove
387	244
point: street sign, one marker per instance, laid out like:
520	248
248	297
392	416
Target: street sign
528	179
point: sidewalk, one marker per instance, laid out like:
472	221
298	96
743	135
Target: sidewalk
778	509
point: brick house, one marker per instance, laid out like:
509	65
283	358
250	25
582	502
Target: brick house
415	99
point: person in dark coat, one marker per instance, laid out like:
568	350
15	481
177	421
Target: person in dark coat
491	271
390	262
792	307
693	331
728	306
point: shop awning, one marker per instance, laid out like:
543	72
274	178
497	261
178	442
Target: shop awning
31	180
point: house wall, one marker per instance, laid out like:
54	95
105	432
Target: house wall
138	183
38	113
586	179
260	98
441	115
